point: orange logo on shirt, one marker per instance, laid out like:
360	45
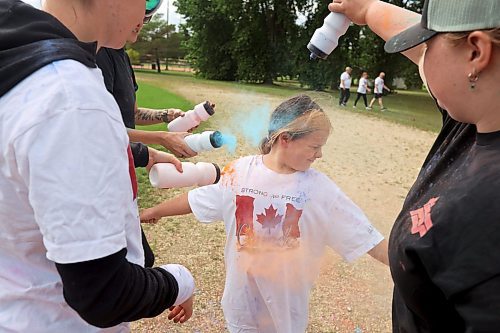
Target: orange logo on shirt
421	218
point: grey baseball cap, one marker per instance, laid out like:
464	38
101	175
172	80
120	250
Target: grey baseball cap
447	16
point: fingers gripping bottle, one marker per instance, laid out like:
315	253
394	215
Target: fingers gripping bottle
192	118
165	175
204	141
325	39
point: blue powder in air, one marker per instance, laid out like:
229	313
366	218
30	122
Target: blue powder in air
229	141
251	123
254	123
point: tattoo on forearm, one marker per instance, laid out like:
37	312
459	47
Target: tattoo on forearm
152	115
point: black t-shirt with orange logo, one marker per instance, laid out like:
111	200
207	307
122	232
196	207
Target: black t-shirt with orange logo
444	247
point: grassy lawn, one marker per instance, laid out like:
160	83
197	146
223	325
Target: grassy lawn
276	89
150	96
411	108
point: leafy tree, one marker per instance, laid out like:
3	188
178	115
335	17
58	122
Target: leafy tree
211	33
264	37
135	57
158	40
260	40
244	40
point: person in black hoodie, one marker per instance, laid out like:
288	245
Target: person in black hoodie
444	248
71	258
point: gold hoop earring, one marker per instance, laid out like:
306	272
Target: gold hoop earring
473	77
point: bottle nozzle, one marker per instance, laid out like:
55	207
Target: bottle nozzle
208	107
216	139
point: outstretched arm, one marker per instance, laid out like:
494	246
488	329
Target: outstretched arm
176	206
381	252
384	19
145	116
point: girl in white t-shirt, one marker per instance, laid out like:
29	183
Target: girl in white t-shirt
279	216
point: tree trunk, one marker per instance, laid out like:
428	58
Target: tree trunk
158	69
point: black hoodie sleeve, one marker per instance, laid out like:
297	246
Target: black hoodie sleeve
108	291
140	153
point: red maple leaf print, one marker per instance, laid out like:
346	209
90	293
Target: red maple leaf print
269	219
244	215
291	221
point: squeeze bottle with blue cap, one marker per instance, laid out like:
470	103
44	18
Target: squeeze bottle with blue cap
325	39
204	141
192	118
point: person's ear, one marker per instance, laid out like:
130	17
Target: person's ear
285	138
480	50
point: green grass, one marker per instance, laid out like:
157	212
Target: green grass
411	108
150	96
277	89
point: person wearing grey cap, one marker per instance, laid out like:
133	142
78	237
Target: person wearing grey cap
444	247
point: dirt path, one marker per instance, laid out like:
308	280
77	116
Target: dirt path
373	161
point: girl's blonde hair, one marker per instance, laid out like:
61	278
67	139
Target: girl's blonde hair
297	116
459	37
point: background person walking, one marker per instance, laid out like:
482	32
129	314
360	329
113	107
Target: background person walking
379	90
362	88
345	85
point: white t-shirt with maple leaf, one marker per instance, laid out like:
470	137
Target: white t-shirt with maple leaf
277	228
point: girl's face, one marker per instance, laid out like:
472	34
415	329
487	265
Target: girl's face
299	154
444	69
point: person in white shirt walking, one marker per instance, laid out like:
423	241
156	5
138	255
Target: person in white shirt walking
378	90
362	88
345	85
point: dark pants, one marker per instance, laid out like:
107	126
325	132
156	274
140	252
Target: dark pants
149	257
364	99
344	96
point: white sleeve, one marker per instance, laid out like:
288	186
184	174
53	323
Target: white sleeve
76	168
206	202
349	232
184	279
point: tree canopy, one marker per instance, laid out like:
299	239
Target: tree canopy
262	40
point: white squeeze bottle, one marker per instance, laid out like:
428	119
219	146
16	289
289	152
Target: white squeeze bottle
165	175
192	118
204	141
325	39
